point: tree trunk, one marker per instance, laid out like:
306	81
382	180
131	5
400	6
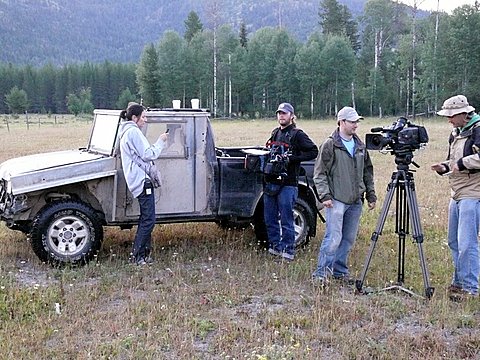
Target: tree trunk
229	87
435	83
353	94
311	101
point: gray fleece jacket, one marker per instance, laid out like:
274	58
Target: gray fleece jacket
133	144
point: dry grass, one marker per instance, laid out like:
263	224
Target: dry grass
212	294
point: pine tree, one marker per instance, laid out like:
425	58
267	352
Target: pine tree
332	18
193	25
243	35
336	19
17	100
148	77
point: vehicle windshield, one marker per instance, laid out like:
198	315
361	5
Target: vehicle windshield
104	132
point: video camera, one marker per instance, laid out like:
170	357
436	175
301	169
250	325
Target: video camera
400	137
277	160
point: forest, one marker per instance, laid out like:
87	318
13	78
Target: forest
388	62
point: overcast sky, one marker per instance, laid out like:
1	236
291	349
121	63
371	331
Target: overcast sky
445	5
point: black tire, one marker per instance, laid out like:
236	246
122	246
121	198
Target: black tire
304	220
259	226
66	232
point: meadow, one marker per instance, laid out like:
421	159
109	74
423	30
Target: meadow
214	294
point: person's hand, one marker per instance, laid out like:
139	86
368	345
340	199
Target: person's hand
328	203
164	136
438	167
371	205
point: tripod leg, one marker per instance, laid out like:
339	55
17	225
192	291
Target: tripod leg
392	186
401	227
417	233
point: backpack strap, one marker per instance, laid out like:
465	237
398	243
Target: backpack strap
290	137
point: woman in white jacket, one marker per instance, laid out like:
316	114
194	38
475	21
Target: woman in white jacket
137	155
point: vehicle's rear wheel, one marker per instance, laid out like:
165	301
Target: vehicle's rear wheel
66	232
304	220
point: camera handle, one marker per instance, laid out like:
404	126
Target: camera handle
403	186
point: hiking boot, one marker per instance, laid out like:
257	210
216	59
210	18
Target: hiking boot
454	289
320	282
457	294
345	279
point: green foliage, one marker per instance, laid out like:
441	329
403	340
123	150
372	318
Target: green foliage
193	25
171	60
81	103
17	100
74	104
311	75
332	18
243	35
125	97
254	73
148	77
202	327
338	75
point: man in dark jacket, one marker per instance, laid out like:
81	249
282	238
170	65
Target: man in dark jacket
343	176
288	147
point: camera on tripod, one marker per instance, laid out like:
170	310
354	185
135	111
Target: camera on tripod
401	139
401	136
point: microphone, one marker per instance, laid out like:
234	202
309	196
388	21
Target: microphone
376	129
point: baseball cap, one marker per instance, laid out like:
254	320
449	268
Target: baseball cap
285	107
455	105
348	113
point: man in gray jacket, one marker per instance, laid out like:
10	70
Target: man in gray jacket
343	176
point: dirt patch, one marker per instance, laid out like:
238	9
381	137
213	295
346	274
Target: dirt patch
30	274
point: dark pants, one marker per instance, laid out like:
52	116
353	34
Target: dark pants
143	238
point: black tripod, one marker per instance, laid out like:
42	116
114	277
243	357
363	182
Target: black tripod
403	186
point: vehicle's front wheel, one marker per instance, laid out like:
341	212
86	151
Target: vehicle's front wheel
66	232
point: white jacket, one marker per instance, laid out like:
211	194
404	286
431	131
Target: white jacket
134	144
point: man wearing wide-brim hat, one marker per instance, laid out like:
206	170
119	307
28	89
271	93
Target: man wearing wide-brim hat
463	170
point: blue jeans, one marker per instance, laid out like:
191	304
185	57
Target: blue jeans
278	215
342	222
143	238
463	226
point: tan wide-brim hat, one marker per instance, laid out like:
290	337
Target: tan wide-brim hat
455	105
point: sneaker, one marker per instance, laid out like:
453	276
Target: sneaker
274	252
287	256
149	260
141	262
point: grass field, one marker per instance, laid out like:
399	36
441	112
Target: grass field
213	294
